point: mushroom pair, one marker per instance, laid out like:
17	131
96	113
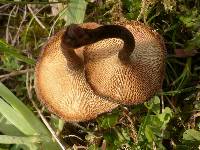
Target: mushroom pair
121	64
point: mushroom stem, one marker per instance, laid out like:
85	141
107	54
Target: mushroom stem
82	36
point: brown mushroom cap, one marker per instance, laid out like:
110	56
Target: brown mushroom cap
62	88
137	80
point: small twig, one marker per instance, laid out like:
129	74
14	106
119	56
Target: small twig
79	126
192	119
173	93
7	28
29	91
103	146
35	17
161	102
68	136
175	110
75	147
4	14
17	34
132	126
29	24
15	73
141	10
154	146
4	6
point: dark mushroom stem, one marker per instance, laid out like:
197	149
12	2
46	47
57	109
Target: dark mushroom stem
75	37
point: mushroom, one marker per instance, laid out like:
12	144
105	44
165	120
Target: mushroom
124	62
61	85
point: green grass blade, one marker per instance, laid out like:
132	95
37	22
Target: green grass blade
7	128
19	107
75	11
15	118
21	143
20	116
7	49
6	139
